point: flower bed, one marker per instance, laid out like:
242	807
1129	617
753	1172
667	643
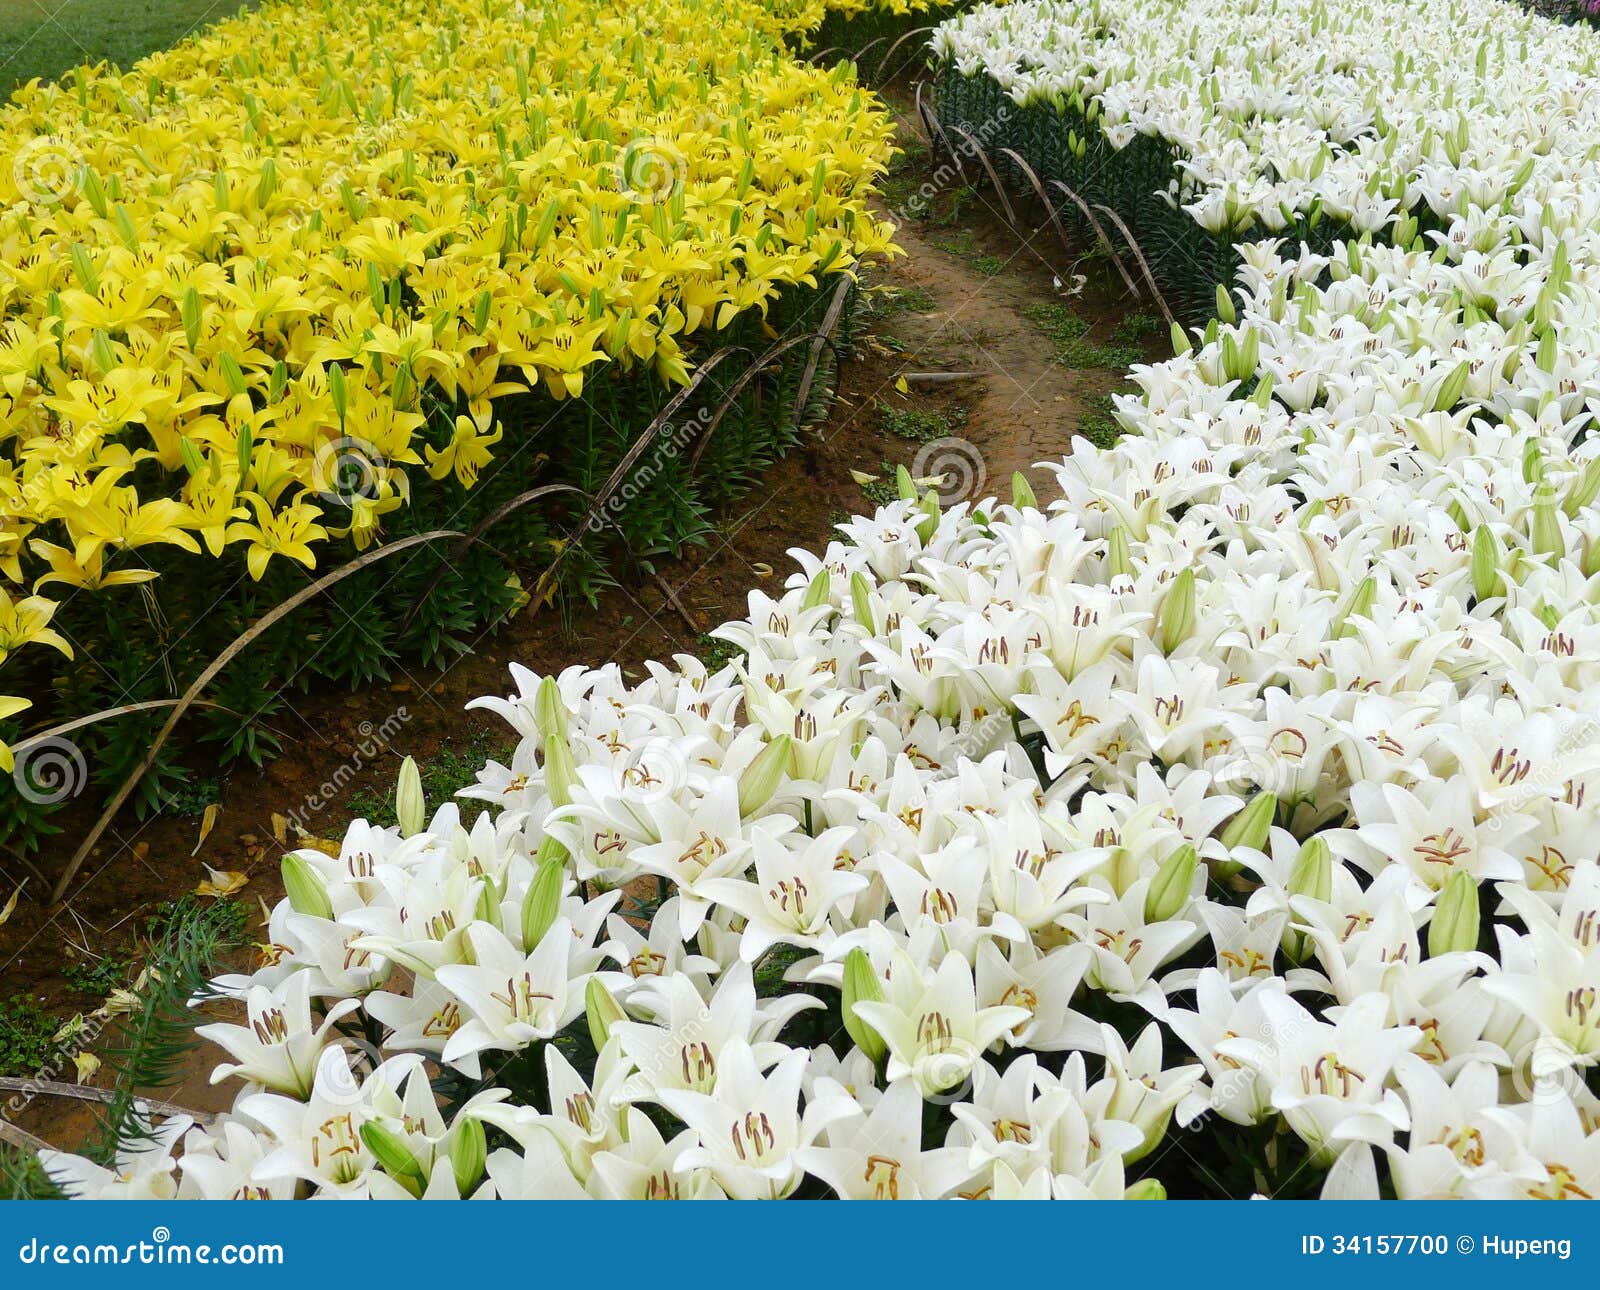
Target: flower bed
1249	788
331	276
1194	123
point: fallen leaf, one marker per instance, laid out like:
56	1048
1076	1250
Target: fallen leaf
208	821
11	904
901	384
280	829
87	1064
762	569
327	846
861	477
221	882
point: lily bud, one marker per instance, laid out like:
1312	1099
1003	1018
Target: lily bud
542	902
550	710
1583	490
601	1011
560	771
820	588
1177	612
903	484
1169	890
1022	496
1485	563
861	601
1225	309
861	985
1360	606
1455	916
763	775
305	890
1118	562
1546	529
1312	873
929	524
1146	1189
394	1154
410	808
469	1150
1250	826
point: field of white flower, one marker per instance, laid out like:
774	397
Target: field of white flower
1224	826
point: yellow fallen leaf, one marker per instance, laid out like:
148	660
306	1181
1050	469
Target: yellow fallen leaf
762	569
87	1064
280	829
861	477
221	882
208	821
11	905
119	1003
901	384
327	846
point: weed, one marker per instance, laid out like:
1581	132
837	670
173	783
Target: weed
921	425
26	1036
1070	335
1100	426
715	652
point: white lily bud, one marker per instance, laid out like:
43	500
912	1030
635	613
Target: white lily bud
861	985
1169	889
1250	826
542	902
763	775
306	892
861	601
410	807
601	1011
395	1155
1454	926
818	591
469	1151
1177	612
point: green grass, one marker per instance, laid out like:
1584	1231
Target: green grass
46	38
715	652
901	300
448	770
1074	348
921	425
26	1034
1100	426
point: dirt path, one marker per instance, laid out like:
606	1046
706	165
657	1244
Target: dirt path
970	296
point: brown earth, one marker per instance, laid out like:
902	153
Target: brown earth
954	304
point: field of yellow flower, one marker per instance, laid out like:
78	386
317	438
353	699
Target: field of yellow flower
298	285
